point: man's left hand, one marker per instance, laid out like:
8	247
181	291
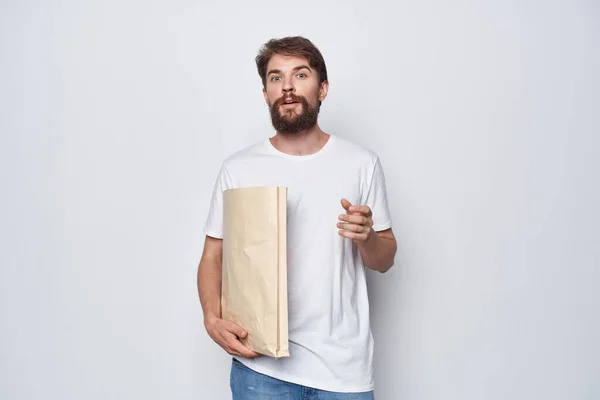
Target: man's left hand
357	223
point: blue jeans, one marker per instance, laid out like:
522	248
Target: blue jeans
247	384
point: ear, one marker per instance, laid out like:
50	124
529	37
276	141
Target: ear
265	95
323	90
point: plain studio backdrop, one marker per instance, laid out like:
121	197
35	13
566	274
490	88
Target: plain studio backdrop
115	117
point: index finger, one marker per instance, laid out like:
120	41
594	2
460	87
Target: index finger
243	350
361	209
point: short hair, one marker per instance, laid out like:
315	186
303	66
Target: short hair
291	46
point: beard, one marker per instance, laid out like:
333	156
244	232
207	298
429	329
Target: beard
289	121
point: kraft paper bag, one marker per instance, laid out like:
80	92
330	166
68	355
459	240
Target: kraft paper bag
254	273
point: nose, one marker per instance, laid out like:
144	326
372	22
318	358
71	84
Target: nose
288	87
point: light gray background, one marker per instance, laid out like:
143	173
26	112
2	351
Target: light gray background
115	116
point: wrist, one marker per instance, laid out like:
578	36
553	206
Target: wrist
210	317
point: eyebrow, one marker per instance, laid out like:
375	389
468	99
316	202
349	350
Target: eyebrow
298	68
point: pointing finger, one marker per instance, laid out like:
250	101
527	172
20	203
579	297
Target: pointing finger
360	209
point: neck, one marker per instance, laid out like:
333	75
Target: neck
302	143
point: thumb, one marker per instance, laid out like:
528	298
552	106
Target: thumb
237	330
346	204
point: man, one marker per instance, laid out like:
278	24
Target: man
338	224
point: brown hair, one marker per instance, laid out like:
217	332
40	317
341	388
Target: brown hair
291	46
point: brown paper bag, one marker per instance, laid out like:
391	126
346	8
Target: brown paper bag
254	279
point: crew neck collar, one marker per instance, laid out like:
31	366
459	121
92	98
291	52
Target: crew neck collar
272	149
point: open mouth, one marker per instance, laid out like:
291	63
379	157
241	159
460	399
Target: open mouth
289	103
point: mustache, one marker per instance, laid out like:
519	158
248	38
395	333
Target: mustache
292	97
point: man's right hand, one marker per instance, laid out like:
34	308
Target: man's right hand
227	334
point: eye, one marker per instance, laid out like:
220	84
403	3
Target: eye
275	78
301	75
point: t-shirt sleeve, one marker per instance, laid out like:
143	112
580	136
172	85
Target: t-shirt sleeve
376	199
214	220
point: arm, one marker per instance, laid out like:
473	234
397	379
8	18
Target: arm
209	278
378	250
225	333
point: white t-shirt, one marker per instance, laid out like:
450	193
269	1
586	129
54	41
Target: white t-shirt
330	340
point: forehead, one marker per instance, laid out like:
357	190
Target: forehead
285	63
